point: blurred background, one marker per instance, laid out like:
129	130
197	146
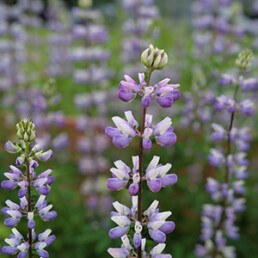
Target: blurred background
61	64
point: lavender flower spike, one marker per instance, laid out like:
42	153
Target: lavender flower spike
218	219
26	180
132	219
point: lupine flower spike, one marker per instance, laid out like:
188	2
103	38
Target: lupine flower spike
218	220
156	175
24	177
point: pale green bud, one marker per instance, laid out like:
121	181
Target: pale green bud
25	137
26	131
154	58
85	3
245	59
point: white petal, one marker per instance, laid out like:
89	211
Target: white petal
157	249
164	169
121	221
154	162
120	174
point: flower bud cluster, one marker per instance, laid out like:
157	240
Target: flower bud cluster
154	58
26	131
219	219
28	153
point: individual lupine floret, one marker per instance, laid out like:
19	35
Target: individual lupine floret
121	219
125	131
13	211
156	175
44	240
13	177
120	176
216	158
157	225
14	242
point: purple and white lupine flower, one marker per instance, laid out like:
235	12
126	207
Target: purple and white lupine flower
164	93
218	220
28	153
155	174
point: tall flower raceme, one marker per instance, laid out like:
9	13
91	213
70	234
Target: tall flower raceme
218	219
23	175
138	28
89	35
155	175
92	144
60	39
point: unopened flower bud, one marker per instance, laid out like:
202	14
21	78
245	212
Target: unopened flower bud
154	58
85	3
245	59
26	131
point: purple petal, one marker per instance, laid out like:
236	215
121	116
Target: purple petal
9	250
11	222
137	240
157	236
22	255
31	224
168	180
147	144
125	95
22	192
43	253
44	190
10	147
49	216
121	141
146	101
167	227
133	189
45	156
118	232
175	94
50	240
111	132
154	185
19	161
165	102
50	180
168	138
8	185
115	184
